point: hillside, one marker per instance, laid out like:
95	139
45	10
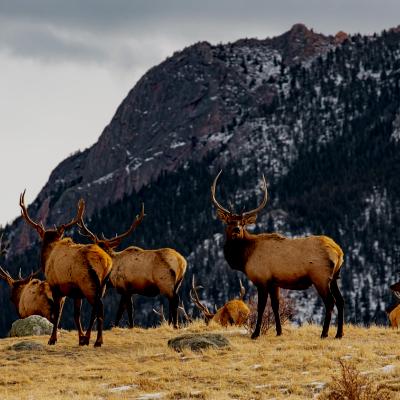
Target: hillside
137	364
318	115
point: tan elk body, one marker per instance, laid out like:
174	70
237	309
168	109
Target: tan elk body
234	312
394	312
73	270
272	261
143	272
30	296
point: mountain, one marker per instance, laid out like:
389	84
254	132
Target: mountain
318	115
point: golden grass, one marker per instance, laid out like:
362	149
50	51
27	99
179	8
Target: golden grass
136	363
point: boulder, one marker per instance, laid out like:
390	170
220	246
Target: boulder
198	341
34	325
27	345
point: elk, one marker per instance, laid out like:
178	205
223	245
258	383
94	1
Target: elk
144	272
272	261
394	311
234	312
74	270
30	296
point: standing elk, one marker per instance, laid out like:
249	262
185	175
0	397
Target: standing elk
144	272
394	311
30	296
272	261
73	270
234	312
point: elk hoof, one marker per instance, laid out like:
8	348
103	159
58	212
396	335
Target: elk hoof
324	335
255	335
339	336
83	341
98	344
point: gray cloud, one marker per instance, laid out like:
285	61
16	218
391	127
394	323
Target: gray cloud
127	32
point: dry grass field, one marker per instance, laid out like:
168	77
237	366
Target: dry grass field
137	364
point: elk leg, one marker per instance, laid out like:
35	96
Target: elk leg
274	293
100	322
121	309
77	317
58	306
329	302
340	307
173	310
85	339
129	309
262	301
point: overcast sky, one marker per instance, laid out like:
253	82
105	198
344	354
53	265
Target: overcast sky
65	66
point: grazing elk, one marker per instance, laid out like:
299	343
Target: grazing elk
73	270
272	261
234	312
30	296
144	272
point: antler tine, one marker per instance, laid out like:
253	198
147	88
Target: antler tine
160	313
263	203
195	298
85	231
79	215
24	212
242	290
5	275
213	198
114	242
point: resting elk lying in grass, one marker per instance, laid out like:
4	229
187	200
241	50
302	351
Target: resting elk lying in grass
30	296
144	272
272	261
234	312
73	270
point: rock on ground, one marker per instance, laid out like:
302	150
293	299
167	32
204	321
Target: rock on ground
198	341
27	345
34	325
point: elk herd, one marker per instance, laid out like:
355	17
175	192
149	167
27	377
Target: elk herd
82	271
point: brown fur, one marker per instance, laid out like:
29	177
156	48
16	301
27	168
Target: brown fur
149	273
234	312
74	270
394	316
31	297
139	271
272	261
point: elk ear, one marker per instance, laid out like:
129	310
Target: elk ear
223	216
251	219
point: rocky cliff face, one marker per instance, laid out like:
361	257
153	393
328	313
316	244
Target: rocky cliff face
204	98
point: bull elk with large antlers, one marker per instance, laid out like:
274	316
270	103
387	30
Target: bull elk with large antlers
30	296
234	312
73	270
272	261
144	272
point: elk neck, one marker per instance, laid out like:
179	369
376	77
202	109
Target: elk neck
16	292
238	251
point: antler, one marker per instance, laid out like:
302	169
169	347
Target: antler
118	239
195	298
242	290
396	289
263	203
74	221
24	212
219	207
5	275
84	230
160	313
3	246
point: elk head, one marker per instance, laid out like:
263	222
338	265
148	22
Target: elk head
16	284
396	289
109	244
50	235
236	223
